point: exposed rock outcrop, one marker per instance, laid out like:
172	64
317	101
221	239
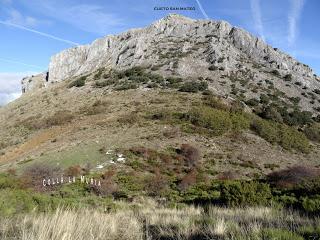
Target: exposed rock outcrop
35	82
133	48
177	45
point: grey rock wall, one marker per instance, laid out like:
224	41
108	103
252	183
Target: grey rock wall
227	47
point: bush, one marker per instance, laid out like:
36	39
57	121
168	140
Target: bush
134	71
104	83
213	68
217	121
32	176
311	204
59	118
290	138
271	113
266	130
298	118
292	176
188	180
251	193
80	82
253	102
275	72
98	74
14	202
193	87
280	234
73	171
190	154
215	102
313	132
126	86
285	136
288	77
239	122
157	184
309	232
8	181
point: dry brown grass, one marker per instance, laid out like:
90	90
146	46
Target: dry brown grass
148	220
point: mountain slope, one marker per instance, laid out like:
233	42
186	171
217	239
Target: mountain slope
148	87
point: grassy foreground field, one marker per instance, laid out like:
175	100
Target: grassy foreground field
148	220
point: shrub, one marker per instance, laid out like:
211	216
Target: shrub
275	72
264	99
245	193
97	107
126	86
59	118
108	187
32	176
98	74
134	71
290	138
80	82
239	122
311	204
3	145
129	182
298	118
8	181
193	86
73	170
309	232
271	113
288	77
157	184
252	102
217	121
215	102
191	154
285	136
104	83
265	129
292	176
213	68
313	132
15	202
173	82
188	180
280	234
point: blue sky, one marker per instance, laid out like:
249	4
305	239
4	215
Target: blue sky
31	31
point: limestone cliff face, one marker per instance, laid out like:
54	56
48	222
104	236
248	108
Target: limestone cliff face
133	48
185	47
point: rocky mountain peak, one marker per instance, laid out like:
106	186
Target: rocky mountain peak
192	49
175	18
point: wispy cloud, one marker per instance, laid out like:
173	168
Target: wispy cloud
256	14
89	17
202	10
15	17
20	63
293	19
38	32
